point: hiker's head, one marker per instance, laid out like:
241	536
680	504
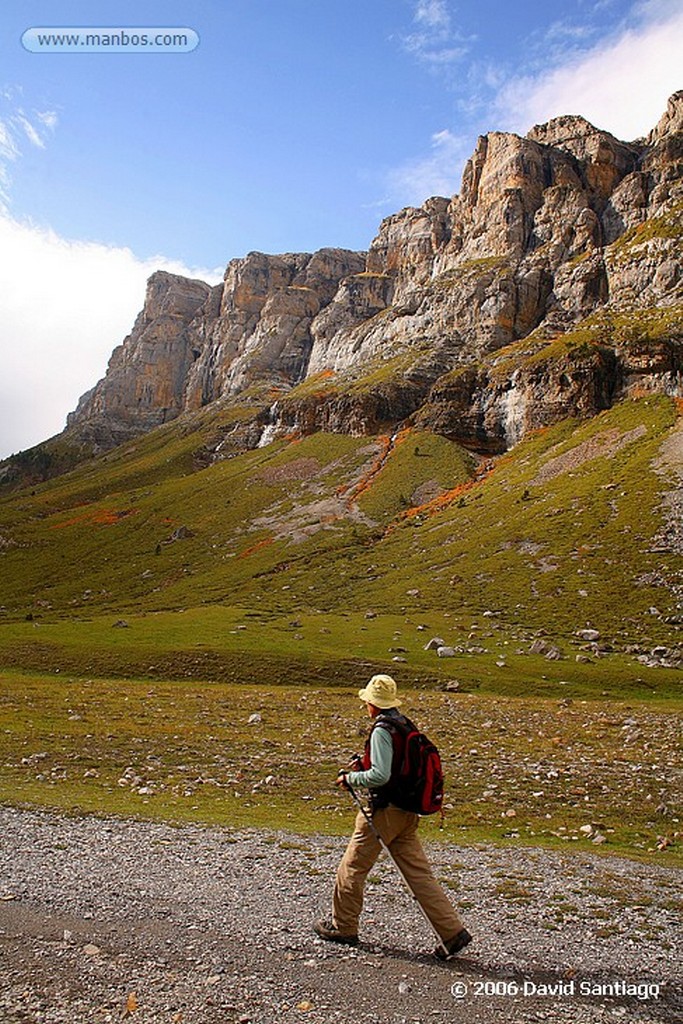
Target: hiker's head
380	693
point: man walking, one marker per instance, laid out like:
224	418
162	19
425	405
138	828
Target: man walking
378	772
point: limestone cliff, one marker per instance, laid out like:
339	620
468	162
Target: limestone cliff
464	313
193	344
565	228
147	374
258	326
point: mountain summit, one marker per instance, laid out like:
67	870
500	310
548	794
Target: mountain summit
550	286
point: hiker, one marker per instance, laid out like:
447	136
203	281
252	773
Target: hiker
377	772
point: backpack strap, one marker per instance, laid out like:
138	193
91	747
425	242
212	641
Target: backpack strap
394	723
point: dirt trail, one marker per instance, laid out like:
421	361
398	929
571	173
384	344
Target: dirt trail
107	920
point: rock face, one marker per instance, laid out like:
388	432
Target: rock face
258	325
147	374
566	230
193	344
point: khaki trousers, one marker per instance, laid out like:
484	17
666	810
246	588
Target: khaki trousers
398	829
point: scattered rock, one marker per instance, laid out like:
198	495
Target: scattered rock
589	635
545	648
182	533
434	644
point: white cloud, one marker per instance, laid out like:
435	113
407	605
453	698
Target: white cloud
621	84
32	134
433	13
48	119
437	174
435	42
8	146
65	305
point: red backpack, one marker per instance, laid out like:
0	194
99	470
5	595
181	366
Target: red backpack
417	775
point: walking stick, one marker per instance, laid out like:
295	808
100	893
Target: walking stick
386	849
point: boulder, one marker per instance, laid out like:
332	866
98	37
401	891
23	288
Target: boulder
434	644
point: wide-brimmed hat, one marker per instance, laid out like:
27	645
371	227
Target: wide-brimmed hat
380	691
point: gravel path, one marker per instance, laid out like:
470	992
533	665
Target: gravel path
107	920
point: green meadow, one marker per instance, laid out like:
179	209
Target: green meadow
246	755
151	602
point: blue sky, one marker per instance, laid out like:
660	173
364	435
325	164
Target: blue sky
293	125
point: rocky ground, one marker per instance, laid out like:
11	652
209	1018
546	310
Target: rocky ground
105	919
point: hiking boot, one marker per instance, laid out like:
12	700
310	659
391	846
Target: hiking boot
328	930
454	945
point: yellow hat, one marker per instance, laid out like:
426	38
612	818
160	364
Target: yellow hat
380	691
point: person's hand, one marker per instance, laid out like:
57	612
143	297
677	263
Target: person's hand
341	779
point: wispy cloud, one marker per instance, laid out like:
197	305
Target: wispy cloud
433	13
620	84
56	349
435	41
19	126
436	174
8	146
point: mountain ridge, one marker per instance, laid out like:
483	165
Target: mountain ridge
566	233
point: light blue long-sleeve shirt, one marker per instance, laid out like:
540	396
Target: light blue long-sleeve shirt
381	756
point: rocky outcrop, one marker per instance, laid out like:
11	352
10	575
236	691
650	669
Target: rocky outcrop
539	382
261	328
490	412
192	344
547	233
146	377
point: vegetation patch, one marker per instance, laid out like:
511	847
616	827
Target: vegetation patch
453	277
262	756
318	385
667	226
594	337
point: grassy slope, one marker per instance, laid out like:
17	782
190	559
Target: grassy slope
325	529
292	545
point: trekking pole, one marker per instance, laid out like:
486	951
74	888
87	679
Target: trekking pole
386	849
